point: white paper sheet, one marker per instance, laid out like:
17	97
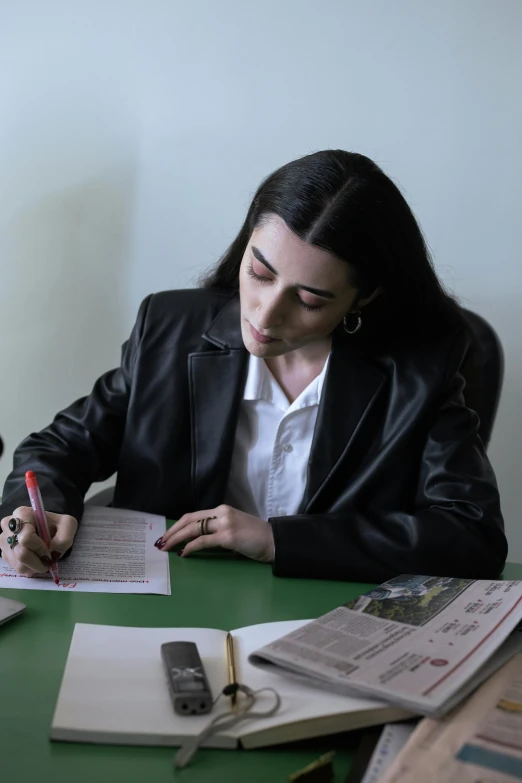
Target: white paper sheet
113	552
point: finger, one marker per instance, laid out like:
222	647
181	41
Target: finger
20	558
52	517
30	540
30	560
182	523
25	513
4	524
205	542
11	557
189	519
53	521
24	571
192	531
7	552
64	536
188	532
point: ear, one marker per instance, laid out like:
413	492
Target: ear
360	303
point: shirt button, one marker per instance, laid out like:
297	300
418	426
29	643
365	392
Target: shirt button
288	448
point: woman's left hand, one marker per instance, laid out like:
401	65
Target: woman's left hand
230	528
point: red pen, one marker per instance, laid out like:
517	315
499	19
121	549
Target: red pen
39	512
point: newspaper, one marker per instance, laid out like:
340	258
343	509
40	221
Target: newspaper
420	642
480	742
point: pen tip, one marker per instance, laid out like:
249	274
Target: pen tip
56	581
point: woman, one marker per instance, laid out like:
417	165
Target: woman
303	408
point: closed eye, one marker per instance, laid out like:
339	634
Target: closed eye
310	308
250	271
262	279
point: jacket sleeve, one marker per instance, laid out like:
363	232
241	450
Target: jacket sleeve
453	526
81	445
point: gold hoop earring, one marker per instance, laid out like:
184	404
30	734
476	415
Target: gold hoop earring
357	325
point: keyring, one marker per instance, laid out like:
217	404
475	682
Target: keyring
226	720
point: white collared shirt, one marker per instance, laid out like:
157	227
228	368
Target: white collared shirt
272	444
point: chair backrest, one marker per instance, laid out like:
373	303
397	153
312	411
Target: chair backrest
1	447
483	371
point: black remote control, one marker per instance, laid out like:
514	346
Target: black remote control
188	684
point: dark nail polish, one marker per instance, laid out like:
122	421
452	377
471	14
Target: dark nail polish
46	561
163	543
159	542
180	552
55	556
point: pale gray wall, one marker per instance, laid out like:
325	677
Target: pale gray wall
133	133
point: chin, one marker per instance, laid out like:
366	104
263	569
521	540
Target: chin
262	350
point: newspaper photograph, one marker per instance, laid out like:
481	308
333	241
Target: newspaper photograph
420	642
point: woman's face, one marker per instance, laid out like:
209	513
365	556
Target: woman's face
292	294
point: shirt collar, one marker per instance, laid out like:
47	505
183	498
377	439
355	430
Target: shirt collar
261	385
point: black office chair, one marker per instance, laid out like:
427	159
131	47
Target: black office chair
483	371
1	447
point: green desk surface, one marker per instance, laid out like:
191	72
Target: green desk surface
211	592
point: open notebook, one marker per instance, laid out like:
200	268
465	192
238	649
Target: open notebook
114	690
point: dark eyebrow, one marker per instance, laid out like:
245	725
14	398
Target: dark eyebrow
316	291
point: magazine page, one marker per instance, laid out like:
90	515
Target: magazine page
480	742
414	641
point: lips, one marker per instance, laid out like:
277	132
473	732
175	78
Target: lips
261	338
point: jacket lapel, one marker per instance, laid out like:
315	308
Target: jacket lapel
349	393
216	379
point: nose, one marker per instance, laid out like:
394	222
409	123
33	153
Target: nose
270	311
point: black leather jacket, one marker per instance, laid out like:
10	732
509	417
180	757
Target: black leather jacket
398	481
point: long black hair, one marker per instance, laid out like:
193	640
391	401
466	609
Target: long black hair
343	202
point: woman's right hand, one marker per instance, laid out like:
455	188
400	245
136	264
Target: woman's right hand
30	556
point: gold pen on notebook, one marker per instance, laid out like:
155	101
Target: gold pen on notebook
231	664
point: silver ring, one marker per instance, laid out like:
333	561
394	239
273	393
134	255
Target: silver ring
12	541
15	525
